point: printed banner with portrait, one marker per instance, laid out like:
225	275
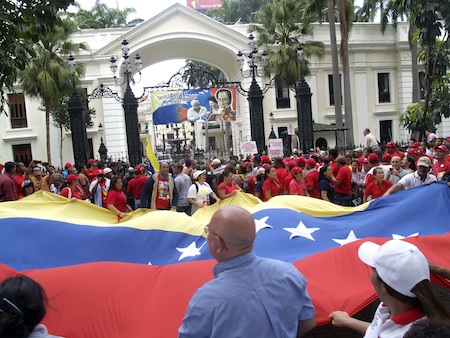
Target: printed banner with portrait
194	105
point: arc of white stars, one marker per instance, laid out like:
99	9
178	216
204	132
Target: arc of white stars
350	238
396	236
301	231
190	251
262	223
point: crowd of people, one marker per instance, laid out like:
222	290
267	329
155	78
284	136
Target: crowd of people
346	179
274	294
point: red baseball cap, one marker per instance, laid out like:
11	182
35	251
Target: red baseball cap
373	157
296	170
387	157
311	162
70	178
415	145
391	145
265	159
90	161
68	165
366	160
441	147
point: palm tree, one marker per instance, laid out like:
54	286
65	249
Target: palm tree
233	11
47	75
102	16
280	32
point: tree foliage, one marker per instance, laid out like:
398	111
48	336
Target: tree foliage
237	11
47	75
281	32
102	16
21	24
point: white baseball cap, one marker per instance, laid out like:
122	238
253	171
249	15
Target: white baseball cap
399	264
198	173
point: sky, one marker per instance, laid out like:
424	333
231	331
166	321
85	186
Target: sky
146	9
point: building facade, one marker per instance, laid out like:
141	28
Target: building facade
380	74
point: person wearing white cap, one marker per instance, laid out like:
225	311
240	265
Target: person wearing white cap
200	192
420	177
401	279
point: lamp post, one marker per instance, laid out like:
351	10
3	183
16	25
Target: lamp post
272	133
103	151
130	103
255	94
77	120
304	114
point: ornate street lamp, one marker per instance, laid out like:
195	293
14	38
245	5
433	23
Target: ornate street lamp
130	103
77	120
304	114
103	151
255	94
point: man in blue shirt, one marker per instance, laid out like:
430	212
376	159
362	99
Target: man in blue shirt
249	296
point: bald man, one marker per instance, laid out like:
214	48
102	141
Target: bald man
249	296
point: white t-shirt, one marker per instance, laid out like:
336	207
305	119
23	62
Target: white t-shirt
40	331
383	327
200	196
413	180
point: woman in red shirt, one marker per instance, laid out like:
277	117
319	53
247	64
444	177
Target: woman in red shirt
272	186
72	190
116	201
228	187
378	186
297	185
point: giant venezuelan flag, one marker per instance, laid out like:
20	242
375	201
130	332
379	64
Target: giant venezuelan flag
135	278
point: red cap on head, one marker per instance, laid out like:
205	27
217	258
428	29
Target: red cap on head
301	161
265	165
311	162
365	161
415	145
90	161
387	157
265	159
391	145
373	158
291	164
70	178
441	147
139	169
68	165
296	170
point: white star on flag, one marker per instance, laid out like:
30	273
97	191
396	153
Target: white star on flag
395	236
350	238
261	224
302	231
190	251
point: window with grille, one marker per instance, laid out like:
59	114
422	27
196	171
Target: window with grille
282	90
18	112
384	94
22	153
331	88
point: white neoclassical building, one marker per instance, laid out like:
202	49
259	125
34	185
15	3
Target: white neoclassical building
380	72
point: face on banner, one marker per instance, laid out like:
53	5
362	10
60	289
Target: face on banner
226	104
194	105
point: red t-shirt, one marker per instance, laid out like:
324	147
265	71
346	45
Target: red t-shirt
312	180
18	180
135	186
297	188
375	190
118	199
65	193
438	167
334	167
91	174
228	188
345	177
162	194
281	173
271	185
251	184
287	180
